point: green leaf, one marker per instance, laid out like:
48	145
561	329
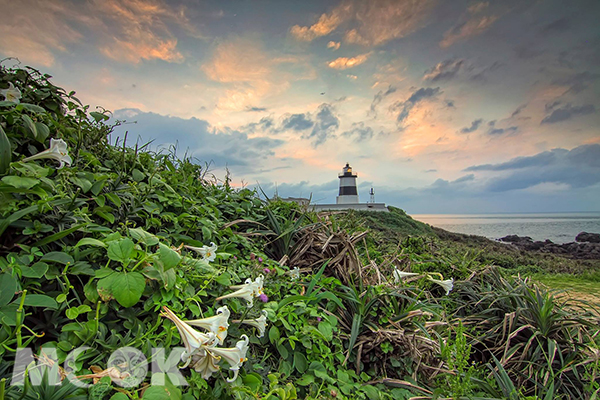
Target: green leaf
162	393
37	270
326	329
97	186
253	381
283	351
38	300
104	287
90	242
42	131
72	313
98	116
83	183
371	392
138	175
58	257
114	198
300	362
274	334
168	256
142	236
121	250
5	152
32	107
206	234
128	288
58	235
20	182
8	287
305	380
224	279
318	369
119	396
29	125
107	216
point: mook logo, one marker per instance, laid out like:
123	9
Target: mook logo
127	367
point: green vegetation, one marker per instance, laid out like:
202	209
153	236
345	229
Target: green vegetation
122	247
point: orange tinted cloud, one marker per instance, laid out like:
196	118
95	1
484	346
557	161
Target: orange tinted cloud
370	22
142	31
472	27
348	62
125	30
326	24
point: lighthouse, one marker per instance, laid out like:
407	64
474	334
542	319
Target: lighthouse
348	193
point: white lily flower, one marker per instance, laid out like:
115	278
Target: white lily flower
247	291
235	356
208	253
259	323
399	275
192	339
447	284
205	363
11	94
57	151
216	324
294	273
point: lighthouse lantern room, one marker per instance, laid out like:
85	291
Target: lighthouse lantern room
348	192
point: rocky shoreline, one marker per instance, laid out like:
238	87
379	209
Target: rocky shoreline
586	246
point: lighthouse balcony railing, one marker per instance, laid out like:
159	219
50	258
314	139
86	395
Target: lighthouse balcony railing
347	174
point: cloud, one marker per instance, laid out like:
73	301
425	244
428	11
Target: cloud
249	72
472	27
143	31
297	122
35	30
359	132
238	60
444	71
325	125
381	21
500	131
567	112
197	137
348	62
415	98
518	110
558	26
538	160
482	74
256	109
478	7
333	45
125	30
474	126
265	124
577	168
369	23
324	26
578	82
378	98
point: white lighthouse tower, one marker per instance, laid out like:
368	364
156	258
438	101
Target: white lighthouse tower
348	193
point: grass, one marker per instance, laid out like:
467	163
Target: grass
586	284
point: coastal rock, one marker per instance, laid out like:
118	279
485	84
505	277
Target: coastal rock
588	237
582	249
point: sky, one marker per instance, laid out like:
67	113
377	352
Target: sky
442	106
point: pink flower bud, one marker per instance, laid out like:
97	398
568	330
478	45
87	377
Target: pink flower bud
263	297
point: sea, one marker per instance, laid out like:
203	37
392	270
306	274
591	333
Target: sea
558	227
